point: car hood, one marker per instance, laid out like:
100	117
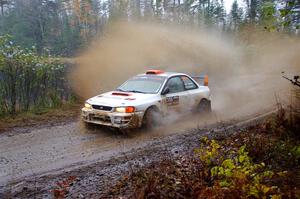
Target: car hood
118	98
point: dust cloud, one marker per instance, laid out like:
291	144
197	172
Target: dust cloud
244	71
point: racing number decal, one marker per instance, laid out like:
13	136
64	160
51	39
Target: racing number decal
171	101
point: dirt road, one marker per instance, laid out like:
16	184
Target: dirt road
33	151
65	147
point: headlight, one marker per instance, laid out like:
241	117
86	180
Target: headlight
126	109
87	105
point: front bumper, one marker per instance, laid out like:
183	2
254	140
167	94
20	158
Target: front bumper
112	119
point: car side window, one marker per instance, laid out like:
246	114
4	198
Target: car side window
188	83
175	85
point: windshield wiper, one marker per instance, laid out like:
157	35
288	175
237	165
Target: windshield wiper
135	91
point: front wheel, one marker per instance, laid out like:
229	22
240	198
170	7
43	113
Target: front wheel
151	118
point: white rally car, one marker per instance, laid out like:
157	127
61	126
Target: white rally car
145	98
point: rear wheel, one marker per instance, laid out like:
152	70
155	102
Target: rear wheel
151	118
204	106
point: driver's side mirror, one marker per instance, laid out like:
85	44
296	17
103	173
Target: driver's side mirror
165	91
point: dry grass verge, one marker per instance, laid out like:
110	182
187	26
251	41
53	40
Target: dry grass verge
40	117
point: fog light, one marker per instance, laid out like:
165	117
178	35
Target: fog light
118	120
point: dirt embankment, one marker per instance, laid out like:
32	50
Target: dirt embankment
49	117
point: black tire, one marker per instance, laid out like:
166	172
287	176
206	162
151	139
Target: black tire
204	106
151	118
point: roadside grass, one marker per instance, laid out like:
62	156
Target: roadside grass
261	162
40	116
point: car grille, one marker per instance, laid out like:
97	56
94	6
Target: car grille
99	118
102	108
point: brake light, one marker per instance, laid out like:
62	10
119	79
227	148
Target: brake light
205	82
154	72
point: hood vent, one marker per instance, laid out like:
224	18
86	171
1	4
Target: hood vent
121	94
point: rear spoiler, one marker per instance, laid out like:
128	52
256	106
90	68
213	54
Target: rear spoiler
202	80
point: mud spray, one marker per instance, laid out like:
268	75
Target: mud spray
244	71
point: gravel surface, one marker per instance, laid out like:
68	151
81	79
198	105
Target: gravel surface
32	163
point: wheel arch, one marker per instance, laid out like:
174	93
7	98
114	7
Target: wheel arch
204	99
149	107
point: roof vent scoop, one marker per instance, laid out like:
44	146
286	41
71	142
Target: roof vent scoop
154	72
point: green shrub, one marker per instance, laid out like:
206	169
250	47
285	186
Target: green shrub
29	80
234	169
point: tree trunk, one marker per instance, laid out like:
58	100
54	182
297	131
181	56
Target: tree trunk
12	87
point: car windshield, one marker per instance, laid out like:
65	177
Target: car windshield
143	84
